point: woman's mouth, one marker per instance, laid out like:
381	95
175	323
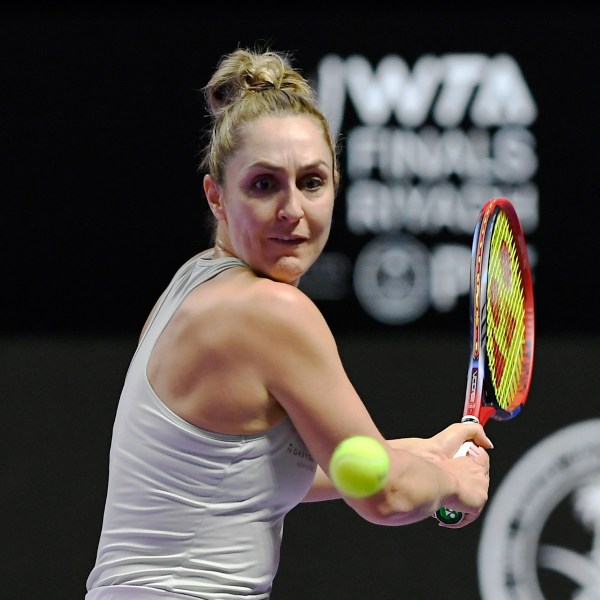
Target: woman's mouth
288	240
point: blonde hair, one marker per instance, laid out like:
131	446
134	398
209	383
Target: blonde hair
250	84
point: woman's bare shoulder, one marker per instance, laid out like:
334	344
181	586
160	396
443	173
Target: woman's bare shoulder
245	306
284	308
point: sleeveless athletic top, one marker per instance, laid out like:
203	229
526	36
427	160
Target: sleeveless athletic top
191	513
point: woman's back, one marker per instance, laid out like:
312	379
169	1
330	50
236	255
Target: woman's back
188	510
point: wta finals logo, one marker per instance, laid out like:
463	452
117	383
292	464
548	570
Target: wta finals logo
424	146
541	534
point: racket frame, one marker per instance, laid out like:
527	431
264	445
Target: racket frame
480	403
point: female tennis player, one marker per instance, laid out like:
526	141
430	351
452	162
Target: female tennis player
236	397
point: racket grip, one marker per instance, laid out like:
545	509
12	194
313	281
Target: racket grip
449	516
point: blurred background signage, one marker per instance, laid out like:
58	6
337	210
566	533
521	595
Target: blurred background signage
423	147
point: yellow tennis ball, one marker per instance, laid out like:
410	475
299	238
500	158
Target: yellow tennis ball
359	466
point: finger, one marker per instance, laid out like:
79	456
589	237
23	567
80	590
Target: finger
481	439
475	432
474	451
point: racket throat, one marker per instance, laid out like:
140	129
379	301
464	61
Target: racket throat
485	412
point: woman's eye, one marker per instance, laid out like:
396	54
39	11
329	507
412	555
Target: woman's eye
262	184
313	183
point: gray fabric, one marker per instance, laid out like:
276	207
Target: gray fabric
189	512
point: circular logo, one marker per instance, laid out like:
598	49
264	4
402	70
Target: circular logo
541	534
391	279
448	516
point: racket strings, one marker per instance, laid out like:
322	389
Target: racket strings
505	314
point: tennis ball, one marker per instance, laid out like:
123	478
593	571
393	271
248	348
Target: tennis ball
359	466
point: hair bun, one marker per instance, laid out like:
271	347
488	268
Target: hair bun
244	71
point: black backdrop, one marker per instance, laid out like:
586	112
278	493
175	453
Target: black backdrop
102	201
103	116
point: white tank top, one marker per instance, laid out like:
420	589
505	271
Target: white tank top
191	513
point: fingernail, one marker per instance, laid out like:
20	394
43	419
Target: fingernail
490	442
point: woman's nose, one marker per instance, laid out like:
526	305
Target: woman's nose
291	205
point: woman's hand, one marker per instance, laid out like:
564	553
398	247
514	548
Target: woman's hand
471	472
444	444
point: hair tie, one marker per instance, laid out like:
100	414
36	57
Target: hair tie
261	86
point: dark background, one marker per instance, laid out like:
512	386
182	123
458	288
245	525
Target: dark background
102	117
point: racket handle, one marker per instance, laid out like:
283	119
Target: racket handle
449	516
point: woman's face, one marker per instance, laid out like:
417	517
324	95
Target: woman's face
275	206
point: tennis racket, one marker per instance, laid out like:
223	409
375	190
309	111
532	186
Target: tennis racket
502	323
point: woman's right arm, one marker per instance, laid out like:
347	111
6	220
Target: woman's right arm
298	361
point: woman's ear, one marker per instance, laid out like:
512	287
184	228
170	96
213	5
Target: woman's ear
212	190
